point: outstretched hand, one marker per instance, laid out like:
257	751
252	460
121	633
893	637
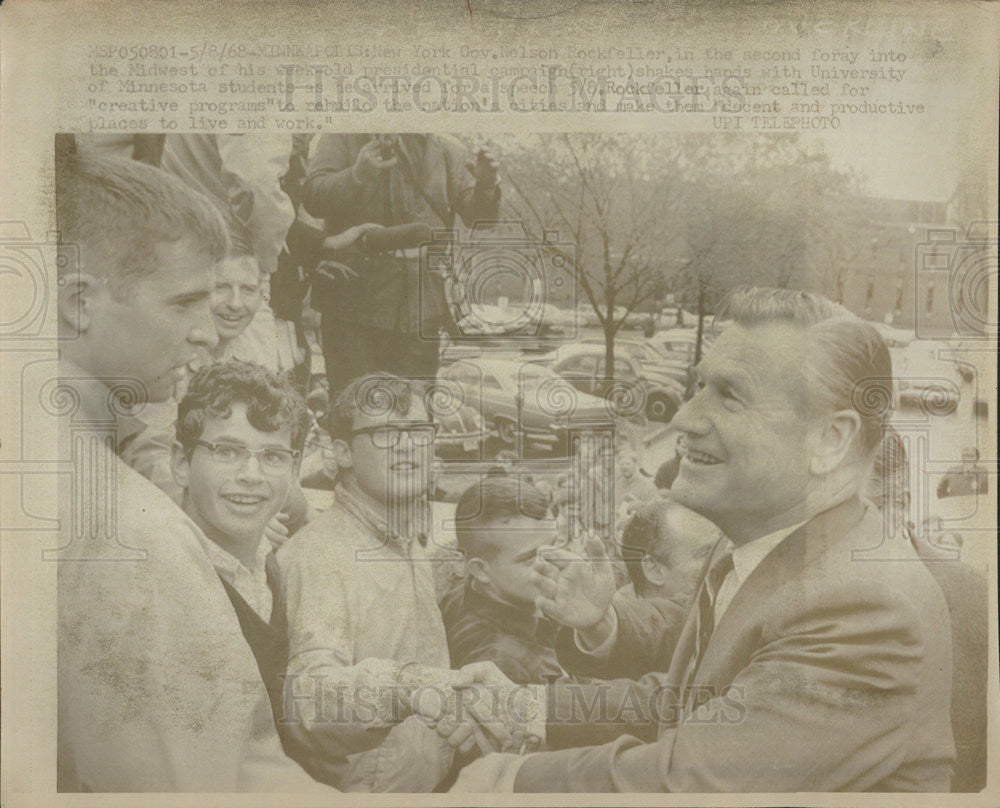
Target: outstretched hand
576	589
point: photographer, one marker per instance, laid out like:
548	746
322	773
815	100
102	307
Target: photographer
378	311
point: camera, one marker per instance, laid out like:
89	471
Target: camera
500	282
953	281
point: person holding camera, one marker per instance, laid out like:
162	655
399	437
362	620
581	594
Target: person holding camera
379	311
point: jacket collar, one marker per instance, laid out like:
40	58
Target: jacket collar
514	619
372	516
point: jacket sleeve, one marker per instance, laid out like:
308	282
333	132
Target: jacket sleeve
252	167
824	706
329	190
333	705
648	629
465	197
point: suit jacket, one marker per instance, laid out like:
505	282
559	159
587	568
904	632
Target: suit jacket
830	670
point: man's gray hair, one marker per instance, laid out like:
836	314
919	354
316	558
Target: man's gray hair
848	361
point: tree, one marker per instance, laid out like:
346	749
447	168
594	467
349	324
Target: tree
616	198
764	211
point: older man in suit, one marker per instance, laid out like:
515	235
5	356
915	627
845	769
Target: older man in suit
816	655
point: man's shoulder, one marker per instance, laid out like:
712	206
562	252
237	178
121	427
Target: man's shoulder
862	574
143	504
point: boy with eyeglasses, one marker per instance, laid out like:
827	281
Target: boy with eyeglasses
359	585
240	431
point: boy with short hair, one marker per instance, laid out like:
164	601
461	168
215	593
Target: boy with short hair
500	523
157	687
236	299
359	588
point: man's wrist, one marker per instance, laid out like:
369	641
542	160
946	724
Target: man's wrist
488	190
594	639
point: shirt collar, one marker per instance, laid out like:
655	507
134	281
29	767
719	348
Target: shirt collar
372	515
748	556
229	566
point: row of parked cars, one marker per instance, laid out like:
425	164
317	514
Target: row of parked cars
540	398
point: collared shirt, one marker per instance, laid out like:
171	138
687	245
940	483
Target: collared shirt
746	558
157	687
361	604
249	582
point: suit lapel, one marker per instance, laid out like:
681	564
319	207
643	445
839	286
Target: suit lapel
725	654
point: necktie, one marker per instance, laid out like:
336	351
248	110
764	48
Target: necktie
705	617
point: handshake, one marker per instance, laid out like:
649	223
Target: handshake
478	707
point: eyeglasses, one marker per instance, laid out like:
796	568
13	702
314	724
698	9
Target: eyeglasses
233	454
420	433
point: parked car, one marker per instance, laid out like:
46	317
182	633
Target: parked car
462	432
584	367
514	395
678	344
646	355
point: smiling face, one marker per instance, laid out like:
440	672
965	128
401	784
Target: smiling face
155	331
237	296
628	466
232	503
746	437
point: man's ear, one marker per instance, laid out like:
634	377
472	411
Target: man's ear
180	466
76	298
654	570
833	442
478	569
336	457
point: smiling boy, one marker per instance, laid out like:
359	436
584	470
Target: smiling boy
240	432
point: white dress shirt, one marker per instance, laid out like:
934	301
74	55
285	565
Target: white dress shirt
250	582
746	557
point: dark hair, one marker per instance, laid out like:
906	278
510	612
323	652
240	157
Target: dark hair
271	401
648	534
120	210
489	500
374	394
848	363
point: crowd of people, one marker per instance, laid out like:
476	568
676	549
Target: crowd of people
712	630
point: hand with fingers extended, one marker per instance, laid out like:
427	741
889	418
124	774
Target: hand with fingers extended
577	589
342	241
